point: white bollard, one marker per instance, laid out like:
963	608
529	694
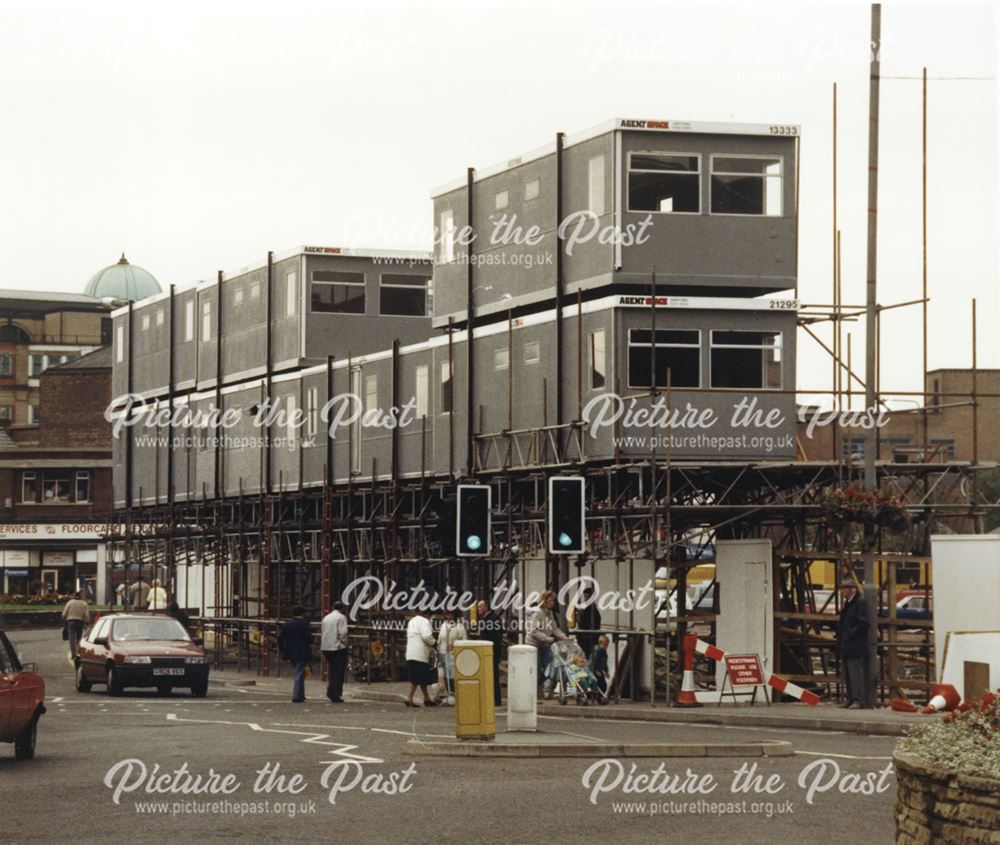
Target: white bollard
522	688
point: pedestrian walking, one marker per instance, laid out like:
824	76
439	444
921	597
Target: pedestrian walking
295	645
599	663
587	619
852	645
75	614
419	646
452	630
138	593
489	626
542	631
156	599
333	644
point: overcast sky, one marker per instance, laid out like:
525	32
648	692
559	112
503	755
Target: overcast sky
196	136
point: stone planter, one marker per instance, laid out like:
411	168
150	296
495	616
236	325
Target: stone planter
938	806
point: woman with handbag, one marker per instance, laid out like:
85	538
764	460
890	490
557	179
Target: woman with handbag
419	648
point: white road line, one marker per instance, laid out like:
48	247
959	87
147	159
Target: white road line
839	756
338	748
56	700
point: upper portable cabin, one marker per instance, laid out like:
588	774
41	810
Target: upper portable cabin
710	207
321	301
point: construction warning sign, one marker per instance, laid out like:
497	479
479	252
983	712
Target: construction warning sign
744	670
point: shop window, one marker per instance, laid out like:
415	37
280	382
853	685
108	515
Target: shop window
337	292
402	295
664	183
747	360
82	486
677	353
29	487
747	185
55	488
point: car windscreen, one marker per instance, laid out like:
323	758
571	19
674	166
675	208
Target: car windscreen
131	630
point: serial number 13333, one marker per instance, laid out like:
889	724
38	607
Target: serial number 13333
784	130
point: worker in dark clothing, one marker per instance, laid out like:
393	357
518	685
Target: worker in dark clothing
490	627
178	614
852	645
295	645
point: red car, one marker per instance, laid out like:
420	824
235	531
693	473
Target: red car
141	650
22	696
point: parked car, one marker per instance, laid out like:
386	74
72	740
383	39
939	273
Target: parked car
141	650
22	697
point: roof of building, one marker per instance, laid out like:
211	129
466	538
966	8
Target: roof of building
98	359
123	281
48	300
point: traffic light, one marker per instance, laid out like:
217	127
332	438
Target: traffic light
567	515
472	522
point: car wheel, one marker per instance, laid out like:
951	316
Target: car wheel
114	684
163	690
24	743
82	684
199	690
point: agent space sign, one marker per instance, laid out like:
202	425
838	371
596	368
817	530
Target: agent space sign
744	670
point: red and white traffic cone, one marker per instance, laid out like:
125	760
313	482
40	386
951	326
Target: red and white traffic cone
686	697
943	697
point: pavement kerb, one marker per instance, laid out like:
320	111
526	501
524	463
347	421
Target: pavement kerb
742	719
503	750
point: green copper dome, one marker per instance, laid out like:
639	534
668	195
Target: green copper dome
122	281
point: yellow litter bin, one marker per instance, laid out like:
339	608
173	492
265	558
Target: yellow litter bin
474	714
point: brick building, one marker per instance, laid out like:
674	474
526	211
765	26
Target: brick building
55	483
949	424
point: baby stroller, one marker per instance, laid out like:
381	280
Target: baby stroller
570	679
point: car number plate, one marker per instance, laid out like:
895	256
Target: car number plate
168	671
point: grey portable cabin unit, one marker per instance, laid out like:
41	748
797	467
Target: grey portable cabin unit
322	301
728	364
711	207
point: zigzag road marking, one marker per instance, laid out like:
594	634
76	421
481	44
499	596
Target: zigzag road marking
339	748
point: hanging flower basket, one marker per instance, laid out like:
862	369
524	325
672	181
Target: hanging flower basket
854	505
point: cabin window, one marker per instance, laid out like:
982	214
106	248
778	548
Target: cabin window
188	321
447	388
145	322
532	352
403	295
120	344
747	360
532	188
595	186
206	321
598	361
501	358
159	317
747	185
238	297
446	238
337	292
678	353
501	200
312	411
291	293
664	183
422	392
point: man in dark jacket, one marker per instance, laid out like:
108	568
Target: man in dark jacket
489	626
295	645
852	644
588	622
